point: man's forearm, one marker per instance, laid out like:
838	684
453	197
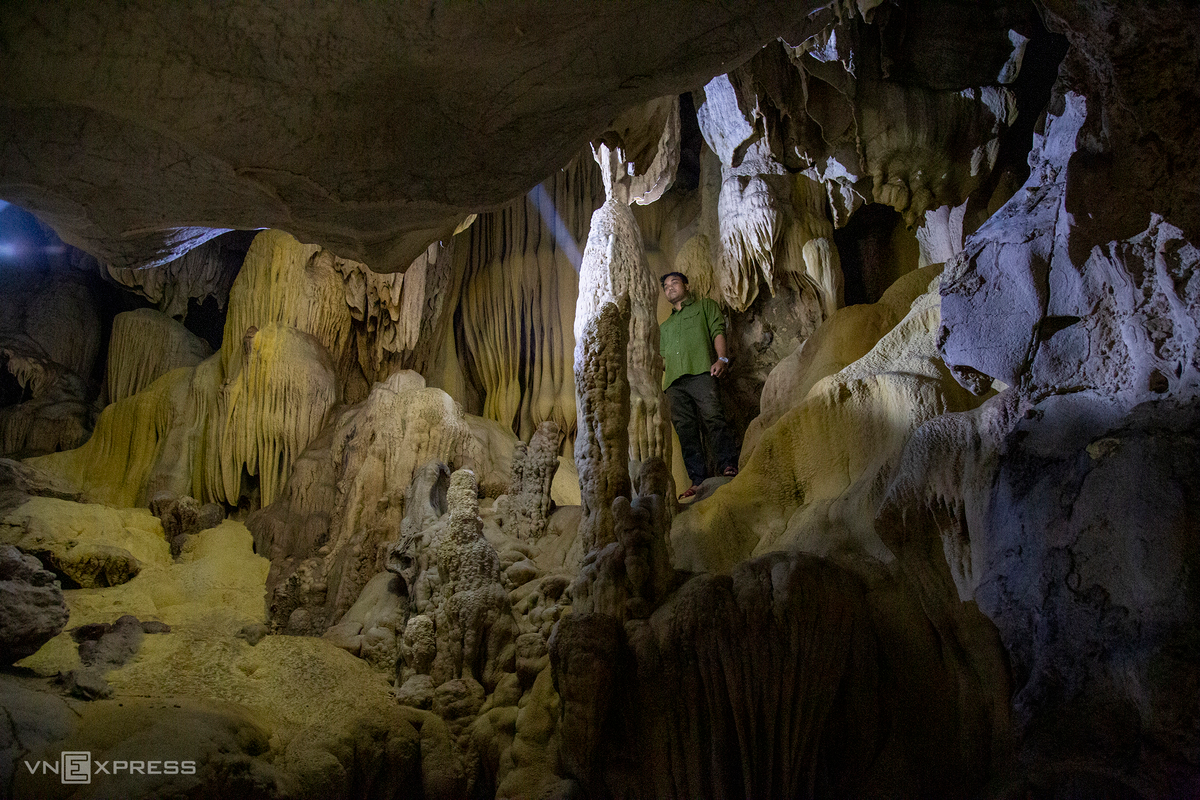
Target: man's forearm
719	345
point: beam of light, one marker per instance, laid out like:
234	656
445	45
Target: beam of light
558	229
3	204
9	250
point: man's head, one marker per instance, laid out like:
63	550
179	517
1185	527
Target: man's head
675	286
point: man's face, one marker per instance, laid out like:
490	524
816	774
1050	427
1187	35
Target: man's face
674	288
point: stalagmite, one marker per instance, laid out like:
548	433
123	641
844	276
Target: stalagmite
523	512
601	446
638	161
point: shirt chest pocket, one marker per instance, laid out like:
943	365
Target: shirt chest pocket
689	313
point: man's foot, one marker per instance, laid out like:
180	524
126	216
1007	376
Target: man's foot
691	492
730	472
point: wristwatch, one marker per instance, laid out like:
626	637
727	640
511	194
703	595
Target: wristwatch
723	358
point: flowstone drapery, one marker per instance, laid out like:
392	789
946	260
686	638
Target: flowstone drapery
519	292
144	345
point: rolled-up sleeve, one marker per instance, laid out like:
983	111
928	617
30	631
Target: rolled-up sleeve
713	318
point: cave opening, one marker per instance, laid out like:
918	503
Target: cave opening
12	390
876	248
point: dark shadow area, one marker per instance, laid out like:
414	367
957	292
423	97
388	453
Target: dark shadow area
875	249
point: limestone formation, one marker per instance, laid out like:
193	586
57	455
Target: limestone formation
601	445
182	517
50	412
959	559
86	545
519	291
794	643
46	381
201	274
230	427
327	534
34	611
163	140
145	345
844	338
525	510
637	160
115	466
400	317
824	465
639	153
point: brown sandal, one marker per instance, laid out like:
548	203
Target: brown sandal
691	492
730	472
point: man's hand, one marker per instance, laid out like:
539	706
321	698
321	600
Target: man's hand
721	365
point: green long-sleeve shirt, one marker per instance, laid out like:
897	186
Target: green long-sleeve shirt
685	339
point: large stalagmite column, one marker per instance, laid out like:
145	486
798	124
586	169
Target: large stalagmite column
637	157
602	403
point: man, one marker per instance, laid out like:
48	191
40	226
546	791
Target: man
692	343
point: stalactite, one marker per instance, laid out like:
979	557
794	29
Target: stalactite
396	314
518	300
206	271
272	406
144	345
751	220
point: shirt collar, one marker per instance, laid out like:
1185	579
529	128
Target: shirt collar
687	301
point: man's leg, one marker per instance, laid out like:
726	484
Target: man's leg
712	414
687	425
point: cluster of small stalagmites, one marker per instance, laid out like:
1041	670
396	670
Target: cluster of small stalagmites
524	511
463	626
473	644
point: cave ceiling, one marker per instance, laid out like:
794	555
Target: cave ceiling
138	130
